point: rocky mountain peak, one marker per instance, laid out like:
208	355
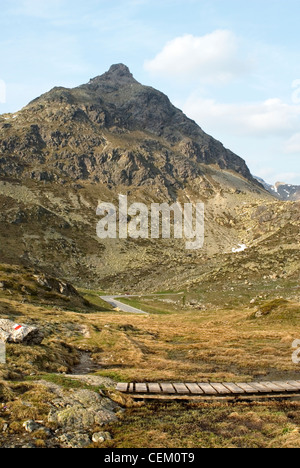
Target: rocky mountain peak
112	130
120	70
118	73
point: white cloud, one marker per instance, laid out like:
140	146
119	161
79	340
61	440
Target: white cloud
213	57
271	175
263	119
293	144
288	177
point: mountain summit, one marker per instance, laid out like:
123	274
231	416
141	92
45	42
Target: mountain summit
119	73
112	130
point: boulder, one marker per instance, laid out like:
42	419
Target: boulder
79	411
77	440
11	332
31	426
101	437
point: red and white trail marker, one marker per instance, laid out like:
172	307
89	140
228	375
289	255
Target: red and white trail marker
18	327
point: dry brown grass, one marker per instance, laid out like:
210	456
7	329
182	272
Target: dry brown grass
183	345
194	346
260	425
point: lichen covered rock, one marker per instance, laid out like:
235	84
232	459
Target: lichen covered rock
11	332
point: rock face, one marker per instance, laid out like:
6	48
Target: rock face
11	332
113	130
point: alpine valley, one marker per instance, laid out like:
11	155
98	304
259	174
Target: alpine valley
71	148
228	312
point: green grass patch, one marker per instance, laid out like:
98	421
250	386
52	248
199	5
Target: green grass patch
64	382
93	297
115	376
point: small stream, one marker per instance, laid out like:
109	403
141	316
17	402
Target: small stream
86	365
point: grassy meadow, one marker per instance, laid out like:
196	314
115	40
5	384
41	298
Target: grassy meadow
178	341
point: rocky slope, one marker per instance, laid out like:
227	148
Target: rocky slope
28	284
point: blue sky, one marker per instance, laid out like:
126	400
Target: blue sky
232	66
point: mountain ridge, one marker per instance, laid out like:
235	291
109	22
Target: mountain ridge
73	122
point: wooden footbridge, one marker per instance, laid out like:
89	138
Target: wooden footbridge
212	391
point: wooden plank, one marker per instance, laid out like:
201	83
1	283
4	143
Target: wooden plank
141	388
294	383
220	388
122	387
234	388
194	389
273	387
168	388
260	387
181	389
154	388
292	386
131	388
247	388
285	386
207	389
